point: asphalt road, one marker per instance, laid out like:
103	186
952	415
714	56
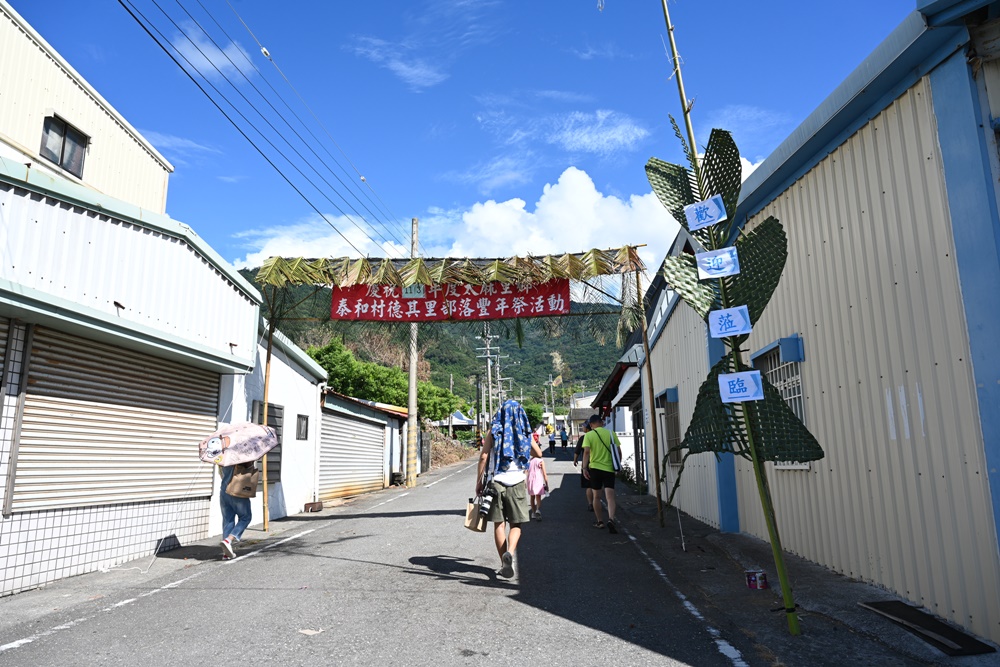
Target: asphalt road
390	578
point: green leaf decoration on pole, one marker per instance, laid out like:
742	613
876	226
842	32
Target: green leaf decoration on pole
758	430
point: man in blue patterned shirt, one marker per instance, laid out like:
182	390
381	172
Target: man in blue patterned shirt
503	465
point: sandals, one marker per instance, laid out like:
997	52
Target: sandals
598	524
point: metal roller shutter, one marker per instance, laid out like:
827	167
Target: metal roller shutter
352	456
105	425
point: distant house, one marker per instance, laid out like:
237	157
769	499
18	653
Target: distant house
881	334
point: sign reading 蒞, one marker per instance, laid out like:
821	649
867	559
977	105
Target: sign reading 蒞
456	301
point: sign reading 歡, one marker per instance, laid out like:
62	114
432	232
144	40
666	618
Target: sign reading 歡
456	301
739	387
705	213
729	322
718	263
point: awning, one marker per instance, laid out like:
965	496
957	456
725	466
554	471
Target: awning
629	389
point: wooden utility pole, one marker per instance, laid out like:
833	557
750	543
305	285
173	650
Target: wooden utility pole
650	398
412	428
263	417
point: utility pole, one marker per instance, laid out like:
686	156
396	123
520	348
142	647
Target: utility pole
488	339
412	428
451	415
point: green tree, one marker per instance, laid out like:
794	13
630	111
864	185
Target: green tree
534	412
382	384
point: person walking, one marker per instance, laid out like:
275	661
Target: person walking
599	467
538	484
564	437
577	457
502	469
235	514
552	441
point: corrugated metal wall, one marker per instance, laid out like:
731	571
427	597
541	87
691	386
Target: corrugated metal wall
680	359
871	283
104	425
352	456
34	84
160	281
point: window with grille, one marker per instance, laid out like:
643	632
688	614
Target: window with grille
670	425
302	427
64	145
275	419
787	379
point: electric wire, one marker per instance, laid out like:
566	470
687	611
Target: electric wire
126	4
250	62
364	180
264	118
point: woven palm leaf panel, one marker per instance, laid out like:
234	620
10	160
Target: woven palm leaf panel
106	425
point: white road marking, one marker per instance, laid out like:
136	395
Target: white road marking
65	626
725	648
457	472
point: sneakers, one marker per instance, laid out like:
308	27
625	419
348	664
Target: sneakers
611	527
537	516
227	549
590	508
507	571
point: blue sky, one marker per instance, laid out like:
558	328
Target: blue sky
506	127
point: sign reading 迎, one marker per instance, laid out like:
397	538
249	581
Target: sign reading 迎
454	301
739	387
705	213
729	322
718	263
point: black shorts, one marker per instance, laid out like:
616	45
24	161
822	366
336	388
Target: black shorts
601	479
584	482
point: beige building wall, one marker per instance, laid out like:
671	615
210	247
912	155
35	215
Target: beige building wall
680	359
871	283
35	82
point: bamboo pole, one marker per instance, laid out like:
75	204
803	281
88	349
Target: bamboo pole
267	387
651	397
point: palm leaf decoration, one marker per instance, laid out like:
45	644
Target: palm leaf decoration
415	273
681	273
763	253
722	174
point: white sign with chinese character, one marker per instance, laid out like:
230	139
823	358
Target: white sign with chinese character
739	387
415	291
718	263
705	213
729	322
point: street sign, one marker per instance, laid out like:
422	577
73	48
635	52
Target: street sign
718	263
739	387
729	322
705	213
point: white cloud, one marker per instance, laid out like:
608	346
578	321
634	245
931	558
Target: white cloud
749	167
417	73
179	150
603	132
312	238
564	96
571	215
607	51
502	171
212	62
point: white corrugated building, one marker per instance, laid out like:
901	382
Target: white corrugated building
881	334
124	338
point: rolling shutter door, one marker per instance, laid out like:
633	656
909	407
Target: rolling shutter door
351	458
106	425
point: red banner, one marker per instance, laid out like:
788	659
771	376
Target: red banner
439	303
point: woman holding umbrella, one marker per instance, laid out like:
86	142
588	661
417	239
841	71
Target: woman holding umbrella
235	514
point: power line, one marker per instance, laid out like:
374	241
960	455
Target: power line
249	122
267	55
401	240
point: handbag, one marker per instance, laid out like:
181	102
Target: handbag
244	481
474	519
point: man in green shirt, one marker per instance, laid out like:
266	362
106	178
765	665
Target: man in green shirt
602	455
